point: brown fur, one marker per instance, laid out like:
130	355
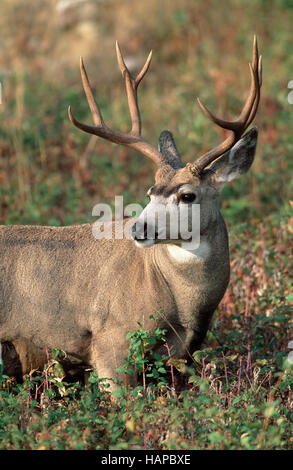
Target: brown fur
59	291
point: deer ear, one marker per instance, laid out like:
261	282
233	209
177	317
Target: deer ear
235	162
168	148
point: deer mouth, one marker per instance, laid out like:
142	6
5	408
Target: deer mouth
145	243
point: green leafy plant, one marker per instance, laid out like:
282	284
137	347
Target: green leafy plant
142	358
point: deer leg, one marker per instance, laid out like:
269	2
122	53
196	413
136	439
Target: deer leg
106	360
20	357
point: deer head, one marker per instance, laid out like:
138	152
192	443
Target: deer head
178	187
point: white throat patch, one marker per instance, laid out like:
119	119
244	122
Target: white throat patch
183	255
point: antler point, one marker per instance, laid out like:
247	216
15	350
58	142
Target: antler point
202	106
70	114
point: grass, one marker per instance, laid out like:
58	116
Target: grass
238	392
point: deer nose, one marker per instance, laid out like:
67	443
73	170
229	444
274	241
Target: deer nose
139	231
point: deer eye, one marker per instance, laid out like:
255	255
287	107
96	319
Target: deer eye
187	197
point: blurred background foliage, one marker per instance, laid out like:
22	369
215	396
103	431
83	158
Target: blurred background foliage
51	173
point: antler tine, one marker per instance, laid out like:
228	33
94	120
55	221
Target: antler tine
249	108
256	102
98	120
257	69
144	69
260	71
231	125
244	120
237	125
132	139
131	85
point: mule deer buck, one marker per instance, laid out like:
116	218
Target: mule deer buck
61	288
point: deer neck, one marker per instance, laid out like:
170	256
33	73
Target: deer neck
185	256
197	278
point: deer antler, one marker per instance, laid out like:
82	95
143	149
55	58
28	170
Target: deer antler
132	139
241	124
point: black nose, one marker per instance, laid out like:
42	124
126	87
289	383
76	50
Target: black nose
139	231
